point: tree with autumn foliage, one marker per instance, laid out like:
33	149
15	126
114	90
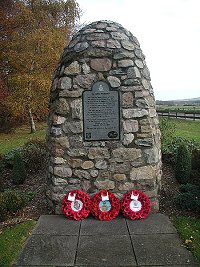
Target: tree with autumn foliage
34	35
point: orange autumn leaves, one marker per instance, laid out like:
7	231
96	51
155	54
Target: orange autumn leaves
34	35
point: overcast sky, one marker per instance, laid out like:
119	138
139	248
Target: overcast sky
169	35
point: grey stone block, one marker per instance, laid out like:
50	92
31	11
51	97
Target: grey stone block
105	251
160	249
91	226
41	250
56	225
153	224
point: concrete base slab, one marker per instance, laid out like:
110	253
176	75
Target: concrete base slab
57	241
153	224
96	227
107	250
56	225
162	249
41	250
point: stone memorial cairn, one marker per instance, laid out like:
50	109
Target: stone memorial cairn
103	52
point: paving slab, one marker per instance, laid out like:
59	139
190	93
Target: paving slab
153	224
45	250
95	227
57	241
105	251
160	249
56	225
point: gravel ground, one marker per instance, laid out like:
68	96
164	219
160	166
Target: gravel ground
34	186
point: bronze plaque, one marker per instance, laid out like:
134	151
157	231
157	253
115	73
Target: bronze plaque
101	113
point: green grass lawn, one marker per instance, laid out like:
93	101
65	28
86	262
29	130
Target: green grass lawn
20	136
187	129
189	230
12	240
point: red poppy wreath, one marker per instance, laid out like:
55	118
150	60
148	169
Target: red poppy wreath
105	206
135	205
76	205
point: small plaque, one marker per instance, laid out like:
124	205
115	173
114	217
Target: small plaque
101	113
77	205
135	205
105	206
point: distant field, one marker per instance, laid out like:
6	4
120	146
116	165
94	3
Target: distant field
195	109
20	136
187	129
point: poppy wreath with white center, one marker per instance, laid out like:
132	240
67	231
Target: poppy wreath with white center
76	205
105	210
135	205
